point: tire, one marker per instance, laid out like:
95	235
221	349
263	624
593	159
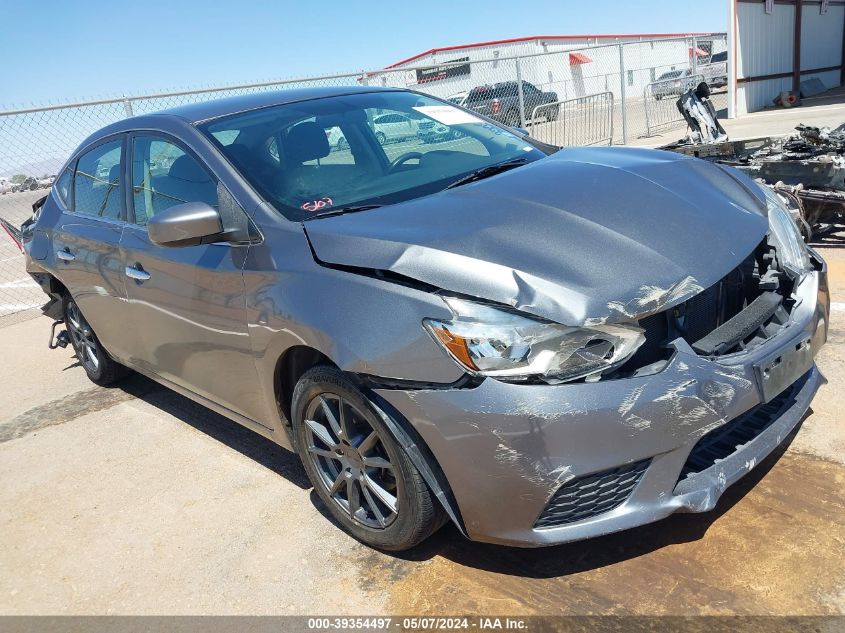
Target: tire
344	477
100	367
342	144
381	138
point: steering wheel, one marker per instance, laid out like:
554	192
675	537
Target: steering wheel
404	158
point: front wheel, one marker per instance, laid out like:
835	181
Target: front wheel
381	138
96	362
359	471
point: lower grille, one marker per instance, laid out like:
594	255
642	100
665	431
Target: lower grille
728	438
591	495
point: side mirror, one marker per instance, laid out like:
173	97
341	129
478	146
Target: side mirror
185	224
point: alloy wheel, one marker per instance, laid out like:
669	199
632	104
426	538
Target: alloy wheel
351	461
83	338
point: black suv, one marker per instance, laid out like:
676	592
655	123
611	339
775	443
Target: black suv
501	102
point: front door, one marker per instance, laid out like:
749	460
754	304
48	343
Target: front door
188	317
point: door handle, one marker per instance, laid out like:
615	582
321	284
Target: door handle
65	255
136	274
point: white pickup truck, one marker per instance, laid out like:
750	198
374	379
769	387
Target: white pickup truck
715	71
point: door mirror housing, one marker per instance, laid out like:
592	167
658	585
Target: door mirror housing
186	224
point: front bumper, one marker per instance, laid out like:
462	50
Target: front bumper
506	449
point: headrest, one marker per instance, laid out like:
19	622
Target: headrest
186	168
306	141
114	173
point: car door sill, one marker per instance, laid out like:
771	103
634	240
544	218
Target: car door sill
210	404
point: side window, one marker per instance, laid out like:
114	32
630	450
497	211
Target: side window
97	189
62	185
163	175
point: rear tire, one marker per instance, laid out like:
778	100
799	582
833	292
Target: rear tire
98	365
358	469
381	138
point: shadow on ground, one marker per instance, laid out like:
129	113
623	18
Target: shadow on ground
261	450
549	562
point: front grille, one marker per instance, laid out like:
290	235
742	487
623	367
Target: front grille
719	303
591	495
728	438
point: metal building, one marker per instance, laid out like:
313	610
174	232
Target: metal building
455	69
774	45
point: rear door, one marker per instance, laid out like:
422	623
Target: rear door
187	312
86	241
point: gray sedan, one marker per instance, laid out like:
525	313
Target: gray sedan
537	345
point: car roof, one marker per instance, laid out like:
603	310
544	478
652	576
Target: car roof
197	112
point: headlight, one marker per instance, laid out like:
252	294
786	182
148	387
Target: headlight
494	342
786	238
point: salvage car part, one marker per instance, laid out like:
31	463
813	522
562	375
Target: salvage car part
808	164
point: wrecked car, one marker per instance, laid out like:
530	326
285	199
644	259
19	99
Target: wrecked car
537	345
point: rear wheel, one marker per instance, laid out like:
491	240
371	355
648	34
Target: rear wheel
381	138
359	471
96	362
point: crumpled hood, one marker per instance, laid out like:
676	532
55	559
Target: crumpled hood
587	235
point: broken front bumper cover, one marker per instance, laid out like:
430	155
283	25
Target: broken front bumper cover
506	449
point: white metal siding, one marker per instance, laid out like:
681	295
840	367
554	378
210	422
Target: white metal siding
765	45
821	37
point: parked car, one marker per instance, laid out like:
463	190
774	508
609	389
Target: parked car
388	128
537	345
394	127
459	98
500	102
431	131
46	182
30	184
715	71
671	84
6	186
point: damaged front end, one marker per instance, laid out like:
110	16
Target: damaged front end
634	350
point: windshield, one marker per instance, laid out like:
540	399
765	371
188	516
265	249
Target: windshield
377	148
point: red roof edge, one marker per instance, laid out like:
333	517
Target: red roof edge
539	37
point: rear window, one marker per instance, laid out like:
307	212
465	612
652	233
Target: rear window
719	57
480	94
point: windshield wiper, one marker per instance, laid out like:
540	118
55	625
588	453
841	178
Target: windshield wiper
342	210
486	172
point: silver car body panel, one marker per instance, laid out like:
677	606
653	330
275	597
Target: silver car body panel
577	251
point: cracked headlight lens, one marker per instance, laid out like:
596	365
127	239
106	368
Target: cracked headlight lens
785	236
494	342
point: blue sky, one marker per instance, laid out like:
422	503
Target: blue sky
67	50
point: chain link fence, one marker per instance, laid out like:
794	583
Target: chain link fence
566	96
